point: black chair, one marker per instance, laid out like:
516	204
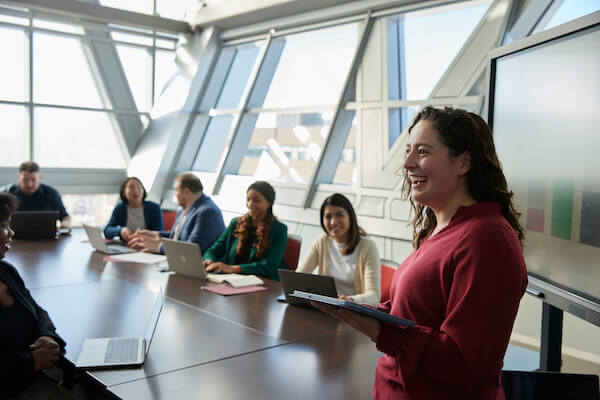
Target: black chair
537	385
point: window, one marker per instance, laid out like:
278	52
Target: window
62	73
137	63
572	9
346	172
14	70
75	139
14	135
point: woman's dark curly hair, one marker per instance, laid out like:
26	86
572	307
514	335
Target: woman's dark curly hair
8	205
461	131
243	229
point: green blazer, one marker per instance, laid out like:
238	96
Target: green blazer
224	249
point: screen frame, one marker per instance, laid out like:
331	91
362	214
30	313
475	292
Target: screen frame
553	293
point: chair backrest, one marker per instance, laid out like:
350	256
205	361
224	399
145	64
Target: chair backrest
388	268
538	385
168	219
291	255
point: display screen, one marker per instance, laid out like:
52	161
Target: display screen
546	124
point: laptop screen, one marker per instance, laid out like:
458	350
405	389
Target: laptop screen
158	303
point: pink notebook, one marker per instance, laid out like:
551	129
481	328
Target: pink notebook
226	290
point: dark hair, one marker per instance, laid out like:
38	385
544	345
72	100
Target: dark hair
124	184
354	231
243	228
190	181
462	131
8	205
29	166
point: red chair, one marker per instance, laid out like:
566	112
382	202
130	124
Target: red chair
168	219
388	268
291	255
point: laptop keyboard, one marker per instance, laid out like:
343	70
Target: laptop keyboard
121	350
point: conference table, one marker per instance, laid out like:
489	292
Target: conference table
205	345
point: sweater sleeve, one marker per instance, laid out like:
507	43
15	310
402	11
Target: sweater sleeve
114	226
311	261
218	250
372	275
269	263
154	221
486	284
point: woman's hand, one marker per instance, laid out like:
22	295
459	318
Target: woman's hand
342	297
126	234
366	325
45	352
221	267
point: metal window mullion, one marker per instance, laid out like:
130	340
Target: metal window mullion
243	108
349	83
30	35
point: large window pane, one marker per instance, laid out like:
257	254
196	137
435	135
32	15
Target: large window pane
92	209
286	146
62	73
237	78
422	44
166	69
75	139
14	70
14	135
347	172
313	67
215	142
137	63
572	9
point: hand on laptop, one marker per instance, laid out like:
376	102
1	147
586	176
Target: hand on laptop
212	266
342	297
65	225
126	234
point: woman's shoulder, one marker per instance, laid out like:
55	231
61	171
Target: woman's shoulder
151	204
8	269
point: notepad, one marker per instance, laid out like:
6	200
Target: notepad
235	280
226	290
139	257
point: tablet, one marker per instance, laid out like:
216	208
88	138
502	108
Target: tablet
350	305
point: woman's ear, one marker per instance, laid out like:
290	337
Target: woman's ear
464	163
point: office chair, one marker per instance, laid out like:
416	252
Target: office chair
291	255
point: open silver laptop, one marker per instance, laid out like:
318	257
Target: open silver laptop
184	258
120	352
98	243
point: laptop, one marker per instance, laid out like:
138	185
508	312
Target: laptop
310	283
120	352
34	224
98	243
184	258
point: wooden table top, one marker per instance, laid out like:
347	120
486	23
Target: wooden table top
244	346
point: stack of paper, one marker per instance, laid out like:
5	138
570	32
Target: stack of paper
235	280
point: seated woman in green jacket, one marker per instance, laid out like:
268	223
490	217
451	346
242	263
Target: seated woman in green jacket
253	243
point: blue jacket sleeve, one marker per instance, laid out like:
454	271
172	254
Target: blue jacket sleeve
208	225
153	216
117	221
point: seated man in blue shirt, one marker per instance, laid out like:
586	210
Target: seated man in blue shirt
200	220
35	196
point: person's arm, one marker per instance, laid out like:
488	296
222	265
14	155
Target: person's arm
311	261
207	226
486	287
114	226
269	263
154	221
62	212
372	275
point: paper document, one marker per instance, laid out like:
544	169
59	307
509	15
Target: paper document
139	257
235	280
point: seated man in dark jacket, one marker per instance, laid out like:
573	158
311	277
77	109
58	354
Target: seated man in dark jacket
200	221
28	340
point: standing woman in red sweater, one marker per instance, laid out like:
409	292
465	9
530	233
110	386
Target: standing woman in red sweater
466	275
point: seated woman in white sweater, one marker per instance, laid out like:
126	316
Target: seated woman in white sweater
345	253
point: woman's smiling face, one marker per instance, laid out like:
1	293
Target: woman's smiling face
433	172
6	235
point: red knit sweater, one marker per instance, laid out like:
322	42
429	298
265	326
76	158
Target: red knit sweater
462	287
